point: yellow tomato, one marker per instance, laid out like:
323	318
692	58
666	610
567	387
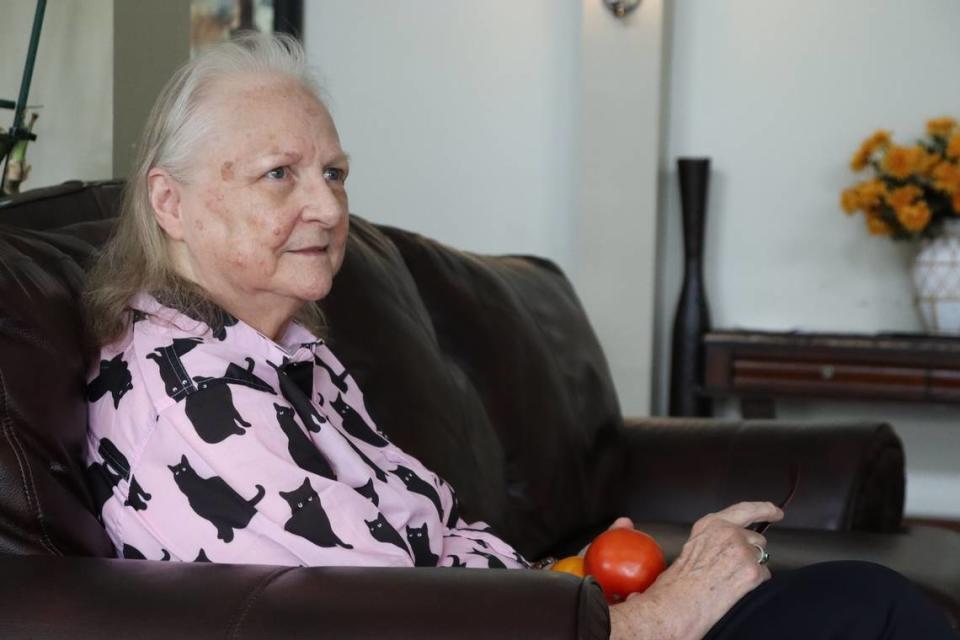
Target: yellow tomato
572	565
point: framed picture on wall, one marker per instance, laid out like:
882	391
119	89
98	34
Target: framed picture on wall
215	20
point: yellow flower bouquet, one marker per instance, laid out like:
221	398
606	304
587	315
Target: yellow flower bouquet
914	188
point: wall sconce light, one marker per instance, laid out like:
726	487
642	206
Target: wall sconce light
621	8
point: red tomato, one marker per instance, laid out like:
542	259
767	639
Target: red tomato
624	561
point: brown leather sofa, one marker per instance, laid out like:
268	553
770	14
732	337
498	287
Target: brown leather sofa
487	369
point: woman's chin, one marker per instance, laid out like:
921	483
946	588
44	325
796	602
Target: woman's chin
315	291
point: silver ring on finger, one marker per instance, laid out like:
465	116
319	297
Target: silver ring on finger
763	556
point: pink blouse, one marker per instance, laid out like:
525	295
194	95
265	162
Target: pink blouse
226	446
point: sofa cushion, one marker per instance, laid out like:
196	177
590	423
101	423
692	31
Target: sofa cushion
44	501
513	329
485	368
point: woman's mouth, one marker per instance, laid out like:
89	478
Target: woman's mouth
311	251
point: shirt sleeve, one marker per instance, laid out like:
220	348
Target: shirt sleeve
244	499
473	544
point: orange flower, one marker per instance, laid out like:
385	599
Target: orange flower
850	200
946	177
926	161
876	226
900	162
861	158
941	126
953	146
904	196
914	217
871	192
879	138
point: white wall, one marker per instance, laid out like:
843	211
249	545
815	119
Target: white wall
509	127
459	116
780	95
616	166
73	81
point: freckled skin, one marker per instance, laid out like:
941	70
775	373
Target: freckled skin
243	223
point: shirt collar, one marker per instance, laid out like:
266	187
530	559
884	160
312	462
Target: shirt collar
294	338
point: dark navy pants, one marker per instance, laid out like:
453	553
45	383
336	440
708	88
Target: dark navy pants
841	600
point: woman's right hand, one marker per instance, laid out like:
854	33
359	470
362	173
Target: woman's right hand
717	567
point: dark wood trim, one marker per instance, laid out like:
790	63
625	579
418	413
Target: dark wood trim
905	367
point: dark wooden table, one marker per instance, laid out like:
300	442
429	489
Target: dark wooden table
757	367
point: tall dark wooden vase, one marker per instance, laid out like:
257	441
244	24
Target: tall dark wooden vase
692	318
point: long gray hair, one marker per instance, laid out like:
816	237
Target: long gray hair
135	258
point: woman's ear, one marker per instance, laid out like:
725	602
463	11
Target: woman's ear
164	193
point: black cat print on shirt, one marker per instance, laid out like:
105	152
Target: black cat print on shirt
130	552
383	531
338	380
493	562
308	519
213	414
136	497
225	320
214	500
114	377
211	410
302	450
106	475
416	484
296	381
245	377
354	424
454	514
175	378
368	492
419	540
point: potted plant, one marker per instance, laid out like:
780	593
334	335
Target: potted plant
914	194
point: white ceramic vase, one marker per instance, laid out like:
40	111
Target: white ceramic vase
936	280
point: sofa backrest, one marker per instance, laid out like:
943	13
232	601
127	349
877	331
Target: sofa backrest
484	367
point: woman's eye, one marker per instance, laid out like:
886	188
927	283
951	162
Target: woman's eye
335	175
278	173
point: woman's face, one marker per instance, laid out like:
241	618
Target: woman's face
263	211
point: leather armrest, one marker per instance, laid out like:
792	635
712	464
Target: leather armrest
851	475
46	597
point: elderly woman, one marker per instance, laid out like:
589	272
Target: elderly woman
241	437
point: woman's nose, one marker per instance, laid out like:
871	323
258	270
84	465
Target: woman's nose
323	201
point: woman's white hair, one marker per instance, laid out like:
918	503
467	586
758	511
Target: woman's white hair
135	258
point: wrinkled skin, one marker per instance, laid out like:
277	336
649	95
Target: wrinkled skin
260	218
717	567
